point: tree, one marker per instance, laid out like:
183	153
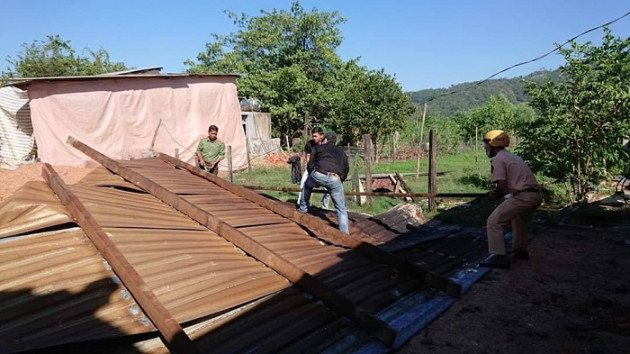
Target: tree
56	57
584	118
289	62
496	113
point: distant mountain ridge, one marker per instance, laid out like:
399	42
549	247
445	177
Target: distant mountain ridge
469	94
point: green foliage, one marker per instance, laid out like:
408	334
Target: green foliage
469	95
496	113
290	64
585	118
56	57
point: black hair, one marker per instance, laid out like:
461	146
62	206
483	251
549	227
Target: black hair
317	130
213	128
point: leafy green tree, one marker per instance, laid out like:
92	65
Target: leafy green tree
56	57
497	113
289	62
584	118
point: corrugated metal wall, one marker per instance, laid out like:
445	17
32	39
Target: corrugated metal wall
16	130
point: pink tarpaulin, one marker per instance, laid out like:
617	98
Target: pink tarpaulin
119	117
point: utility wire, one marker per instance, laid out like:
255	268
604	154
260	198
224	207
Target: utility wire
477	83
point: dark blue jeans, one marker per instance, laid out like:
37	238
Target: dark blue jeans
335	187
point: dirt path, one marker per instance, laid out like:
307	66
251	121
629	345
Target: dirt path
572	296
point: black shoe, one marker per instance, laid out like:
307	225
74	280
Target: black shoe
521	253
495	261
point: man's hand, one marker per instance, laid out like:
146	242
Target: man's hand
494	195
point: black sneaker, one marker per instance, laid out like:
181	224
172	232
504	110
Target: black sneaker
521	253
495	261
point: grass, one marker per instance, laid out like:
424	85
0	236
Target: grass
464	176
467	173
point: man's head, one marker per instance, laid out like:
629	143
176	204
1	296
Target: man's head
494	141
318	135
330	138
213	130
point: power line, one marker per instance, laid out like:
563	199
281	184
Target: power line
477	83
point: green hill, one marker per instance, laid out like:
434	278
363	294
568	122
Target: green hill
464	96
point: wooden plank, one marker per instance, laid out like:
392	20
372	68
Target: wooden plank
297	276
173	335
375	194
326	232
405	186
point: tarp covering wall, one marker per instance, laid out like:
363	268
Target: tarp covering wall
119	117
16	131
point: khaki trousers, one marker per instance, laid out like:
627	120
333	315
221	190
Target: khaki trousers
513	211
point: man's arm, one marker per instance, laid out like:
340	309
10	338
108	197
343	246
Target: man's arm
346	167
199	156
500	190
221	155
310	166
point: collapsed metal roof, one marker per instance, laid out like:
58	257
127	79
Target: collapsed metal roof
236	271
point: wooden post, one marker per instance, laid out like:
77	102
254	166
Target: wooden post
367	157
177	153
432	169
249	162
305	135
424	113
229	158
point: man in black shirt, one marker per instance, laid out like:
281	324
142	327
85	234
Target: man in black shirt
328	167
317	135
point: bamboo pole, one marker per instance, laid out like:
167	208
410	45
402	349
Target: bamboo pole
424	113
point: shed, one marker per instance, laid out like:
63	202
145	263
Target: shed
126	116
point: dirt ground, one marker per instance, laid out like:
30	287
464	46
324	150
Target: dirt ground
12	180
572	296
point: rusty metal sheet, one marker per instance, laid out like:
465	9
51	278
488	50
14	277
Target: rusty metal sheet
32	207
55	288
195	273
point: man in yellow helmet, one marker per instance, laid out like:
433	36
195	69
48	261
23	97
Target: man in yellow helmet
516	183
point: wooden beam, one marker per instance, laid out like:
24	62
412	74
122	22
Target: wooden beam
172	334
290	271
405	186
326	232
374	194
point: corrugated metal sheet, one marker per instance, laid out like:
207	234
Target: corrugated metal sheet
55	288
192	271
16	130
229	301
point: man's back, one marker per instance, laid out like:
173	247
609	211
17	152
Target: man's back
329	158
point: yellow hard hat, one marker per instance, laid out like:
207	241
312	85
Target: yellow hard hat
496	138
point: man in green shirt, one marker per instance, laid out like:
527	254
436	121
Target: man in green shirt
210	151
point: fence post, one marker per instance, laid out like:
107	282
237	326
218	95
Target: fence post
177	153
229	158
432	169
424	113
367	157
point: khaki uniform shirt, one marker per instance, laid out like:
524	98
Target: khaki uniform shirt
210	150
511	168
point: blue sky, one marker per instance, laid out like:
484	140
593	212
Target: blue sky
425	44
